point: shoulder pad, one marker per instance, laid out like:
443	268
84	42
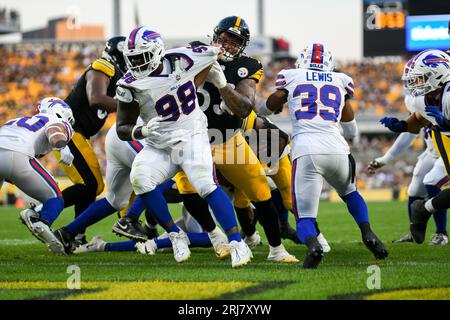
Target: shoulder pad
104	66
124	94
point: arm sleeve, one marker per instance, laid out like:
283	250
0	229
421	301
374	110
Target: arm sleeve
350	129
402	143
349	86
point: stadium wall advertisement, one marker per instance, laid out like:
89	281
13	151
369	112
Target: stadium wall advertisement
424	32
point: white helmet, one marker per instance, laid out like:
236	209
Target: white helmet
426	72
57	107
315	57
143	51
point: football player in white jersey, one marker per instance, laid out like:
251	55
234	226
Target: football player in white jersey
24	139
318	101
429	177
160	87
427	80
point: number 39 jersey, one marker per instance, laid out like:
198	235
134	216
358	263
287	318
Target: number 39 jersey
316	100
27	135
171	95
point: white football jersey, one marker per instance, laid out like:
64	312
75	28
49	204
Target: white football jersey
28	134
316	100
418	104
172	95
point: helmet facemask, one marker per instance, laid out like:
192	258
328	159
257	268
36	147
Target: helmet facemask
56	107
237	42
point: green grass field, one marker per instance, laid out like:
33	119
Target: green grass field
29	271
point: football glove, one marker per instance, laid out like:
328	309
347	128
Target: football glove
216	76
376	164
435	113
66	156
394	124
149	130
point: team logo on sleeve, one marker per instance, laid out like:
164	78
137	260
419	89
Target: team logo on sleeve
242	72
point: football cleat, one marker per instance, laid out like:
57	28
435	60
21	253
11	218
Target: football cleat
180	245
220	243
314	254
67	240
253	240
324	243
150	231
240	253
130	228
372	243
419	220
96	244
148	247
287	232
41	231
439	239
280	254
80	239
406	238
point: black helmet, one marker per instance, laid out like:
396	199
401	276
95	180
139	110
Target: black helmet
114	48
233	25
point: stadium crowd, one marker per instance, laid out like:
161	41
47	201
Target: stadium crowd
30	71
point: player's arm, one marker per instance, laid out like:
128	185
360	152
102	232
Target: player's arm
348	122
413	124
274	103
96	90
127	115
201	77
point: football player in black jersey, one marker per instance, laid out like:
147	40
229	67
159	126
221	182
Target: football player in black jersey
91	100
226	98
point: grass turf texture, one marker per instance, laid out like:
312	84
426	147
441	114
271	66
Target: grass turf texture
29	271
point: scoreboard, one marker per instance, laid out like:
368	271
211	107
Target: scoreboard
395	27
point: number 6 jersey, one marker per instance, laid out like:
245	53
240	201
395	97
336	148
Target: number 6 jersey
171	95
316	99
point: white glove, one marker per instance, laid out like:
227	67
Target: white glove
376	164
216	76
149	130
66	156
225	108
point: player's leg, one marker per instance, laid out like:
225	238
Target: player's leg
243	170
247	218
434	181
84	172
306	188
151	167
339	171
421	211
34	180
198	165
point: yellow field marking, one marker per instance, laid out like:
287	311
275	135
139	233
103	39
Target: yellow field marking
413	294
139	290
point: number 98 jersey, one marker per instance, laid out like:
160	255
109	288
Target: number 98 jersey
316	99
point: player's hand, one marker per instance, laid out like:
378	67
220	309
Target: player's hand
225	108
66	156
434	112
216	76
374	165
150	129
394	124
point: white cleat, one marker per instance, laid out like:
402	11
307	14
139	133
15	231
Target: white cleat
96	244
41	231
438	239
324	243
220	243
253	240
148	247
180	245
240	253
280	254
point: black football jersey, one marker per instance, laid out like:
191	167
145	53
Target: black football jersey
209	97
88	120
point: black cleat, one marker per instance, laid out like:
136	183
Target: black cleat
67	240
314	254
130	228
150	231
419	220
372	242
287	232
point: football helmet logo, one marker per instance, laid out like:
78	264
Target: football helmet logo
57	107
315	57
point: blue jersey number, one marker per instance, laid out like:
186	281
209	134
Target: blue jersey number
167	107
330	97
25	123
